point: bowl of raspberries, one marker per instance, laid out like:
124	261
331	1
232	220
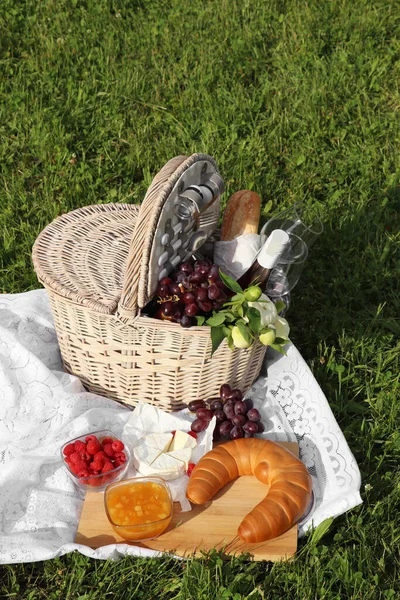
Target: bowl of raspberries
95	460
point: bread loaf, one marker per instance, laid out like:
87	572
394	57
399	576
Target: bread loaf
241	215
290	484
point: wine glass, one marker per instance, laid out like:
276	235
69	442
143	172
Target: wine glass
286	273
300	220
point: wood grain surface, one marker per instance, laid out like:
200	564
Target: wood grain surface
212	525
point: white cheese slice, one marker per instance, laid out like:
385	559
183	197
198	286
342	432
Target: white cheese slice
164	466
149	448
184	454
182	440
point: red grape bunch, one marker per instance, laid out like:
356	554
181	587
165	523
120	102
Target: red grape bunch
235	417
189	291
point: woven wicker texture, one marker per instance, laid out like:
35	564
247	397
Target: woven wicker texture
82	255
92	262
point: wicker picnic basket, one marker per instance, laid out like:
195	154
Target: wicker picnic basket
95	263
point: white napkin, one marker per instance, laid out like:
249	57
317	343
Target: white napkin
236	256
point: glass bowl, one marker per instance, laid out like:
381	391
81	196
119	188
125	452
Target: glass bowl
139	508
96	481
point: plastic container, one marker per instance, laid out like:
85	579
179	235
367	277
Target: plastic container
140	508
100	481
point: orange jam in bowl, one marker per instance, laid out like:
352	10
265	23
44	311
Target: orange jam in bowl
140	508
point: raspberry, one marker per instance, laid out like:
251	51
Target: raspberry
83	473
95	481
75	457
191	466
109	450
78	466
79	446
96	466
118	446
90	437
84	455
107	440
118	463
93	446
107	467
121	456
193	434
100	456
69	449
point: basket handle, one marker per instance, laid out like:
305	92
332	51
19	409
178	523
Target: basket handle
134	289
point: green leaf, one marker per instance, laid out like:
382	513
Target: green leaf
217	337
300	160
217	319
320	531
200	320
226	330
230	283
240	310
254	319
230	342
280	306
278	348
229	317
237	298
245	332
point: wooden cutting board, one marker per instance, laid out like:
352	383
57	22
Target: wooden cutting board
212	525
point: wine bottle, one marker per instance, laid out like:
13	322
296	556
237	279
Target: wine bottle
265	260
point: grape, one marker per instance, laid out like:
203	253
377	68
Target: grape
260	427
249	403
205	305
213	292
191	309
188	297
239	420
195	404
166	281
168	309
236	433
213	274
202	264
186	268
186	321
228	410
240	407
198	425
203	270
224	428
220	416
204	285
235	395
205	414
224	391
216	404
175	289
217	304
180	277
196	278
163	291
250	427
201	294
253	415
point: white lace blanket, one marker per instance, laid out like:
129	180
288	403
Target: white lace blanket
41	407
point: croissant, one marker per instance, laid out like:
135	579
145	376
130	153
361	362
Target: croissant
290	484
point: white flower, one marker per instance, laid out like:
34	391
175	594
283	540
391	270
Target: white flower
266	309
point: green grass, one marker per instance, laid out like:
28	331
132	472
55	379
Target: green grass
297	100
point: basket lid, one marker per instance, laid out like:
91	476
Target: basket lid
179	212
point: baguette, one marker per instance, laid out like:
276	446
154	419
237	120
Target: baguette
241	215
290	484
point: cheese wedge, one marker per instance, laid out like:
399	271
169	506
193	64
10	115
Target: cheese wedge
149	448
165	466
182	440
